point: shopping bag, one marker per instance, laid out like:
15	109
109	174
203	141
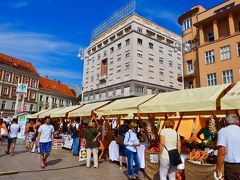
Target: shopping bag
82	154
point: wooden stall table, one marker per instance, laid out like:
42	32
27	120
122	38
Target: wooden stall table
152	165
195	171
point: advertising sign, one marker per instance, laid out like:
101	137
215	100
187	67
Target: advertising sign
22	120
22	88
82	154
67	141
24	108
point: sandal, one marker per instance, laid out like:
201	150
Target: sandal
42	166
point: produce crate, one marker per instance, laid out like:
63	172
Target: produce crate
57	144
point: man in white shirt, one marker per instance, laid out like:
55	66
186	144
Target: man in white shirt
14	129
45	138
229	149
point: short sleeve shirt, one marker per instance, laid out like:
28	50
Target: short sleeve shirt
14	129
229	137
46	133
170	141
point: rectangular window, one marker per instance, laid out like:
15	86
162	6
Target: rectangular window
150	59
111	49
139	89
13	105
105	53
3	105
99	56
139	30
33	96
209	57
127	42
212	80
17	79
170	64
189	66
238	48
139	41
140	65
119	46
7	77
161	60
225	52
127	54
5	90
139	55
187	24
161	73
127	66
228	76
150	45
210	36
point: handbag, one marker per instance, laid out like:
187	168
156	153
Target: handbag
174	156
4	132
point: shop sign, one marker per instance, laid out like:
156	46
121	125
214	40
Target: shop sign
22	109
22	88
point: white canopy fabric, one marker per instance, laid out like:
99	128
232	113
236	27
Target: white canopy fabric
35	116
192	100
126	106
231	101
62	112
87	109
48	113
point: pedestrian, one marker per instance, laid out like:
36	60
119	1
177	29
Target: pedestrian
35	138
121	131
3	132
91	135
75	136
169	140
31	131
45	138
131	142
14	129
229	149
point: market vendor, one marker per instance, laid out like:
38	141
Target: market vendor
206	133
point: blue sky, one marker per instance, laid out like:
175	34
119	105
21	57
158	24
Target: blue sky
48	33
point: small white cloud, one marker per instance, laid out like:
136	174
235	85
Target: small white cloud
18	4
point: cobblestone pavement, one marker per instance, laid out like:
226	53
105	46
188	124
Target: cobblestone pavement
61	165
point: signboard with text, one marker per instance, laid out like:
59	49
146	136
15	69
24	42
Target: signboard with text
22	88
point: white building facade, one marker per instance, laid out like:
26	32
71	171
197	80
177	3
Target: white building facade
133	58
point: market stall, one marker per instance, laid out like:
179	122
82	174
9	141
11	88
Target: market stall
119	109
48	113
35	116
199	101
62	113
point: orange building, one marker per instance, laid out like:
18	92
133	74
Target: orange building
211	40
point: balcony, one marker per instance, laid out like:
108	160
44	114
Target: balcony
188	75
103	78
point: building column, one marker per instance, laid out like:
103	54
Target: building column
215	29
231	24
201	36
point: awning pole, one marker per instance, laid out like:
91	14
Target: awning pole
179	122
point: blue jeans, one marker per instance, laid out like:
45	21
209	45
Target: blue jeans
133	156
75	149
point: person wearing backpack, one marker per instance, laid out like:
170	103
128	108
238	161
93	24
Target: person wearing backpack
131	142
121	131
75	136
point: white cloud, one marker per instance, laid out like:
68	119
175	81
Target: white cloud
48	53
59	73
18	4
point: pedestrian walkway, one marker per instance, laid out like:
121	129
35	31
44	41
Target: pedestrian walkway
62	165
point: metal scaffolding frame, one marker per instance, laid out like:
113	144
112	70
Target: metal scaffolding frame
128	10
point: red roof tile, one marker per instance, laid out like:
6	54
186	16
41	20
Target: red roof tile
57	87
17	63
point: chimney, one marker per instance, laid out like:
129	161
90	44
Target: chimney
59	82
46	76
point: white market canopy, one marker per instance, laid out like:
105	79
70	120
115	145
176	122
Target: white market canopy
35	116
49	112
125	107
87	109
231	101
62	112
192	100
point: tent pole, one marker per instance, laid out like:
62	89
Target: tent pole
179	122
166	118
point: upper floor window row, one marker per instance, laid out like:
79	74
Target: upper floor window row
187	24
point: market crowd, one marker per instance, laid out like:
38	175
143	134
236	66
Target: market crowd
39	136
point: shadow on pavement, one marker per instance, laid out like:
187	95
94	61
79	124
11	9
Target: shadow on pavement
53	162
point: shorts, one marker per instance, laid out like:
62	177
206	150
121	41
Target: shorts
30	136
122	151
45	147
12	140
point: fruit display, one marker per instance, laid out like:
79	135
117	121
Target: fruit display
155	149
198	155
